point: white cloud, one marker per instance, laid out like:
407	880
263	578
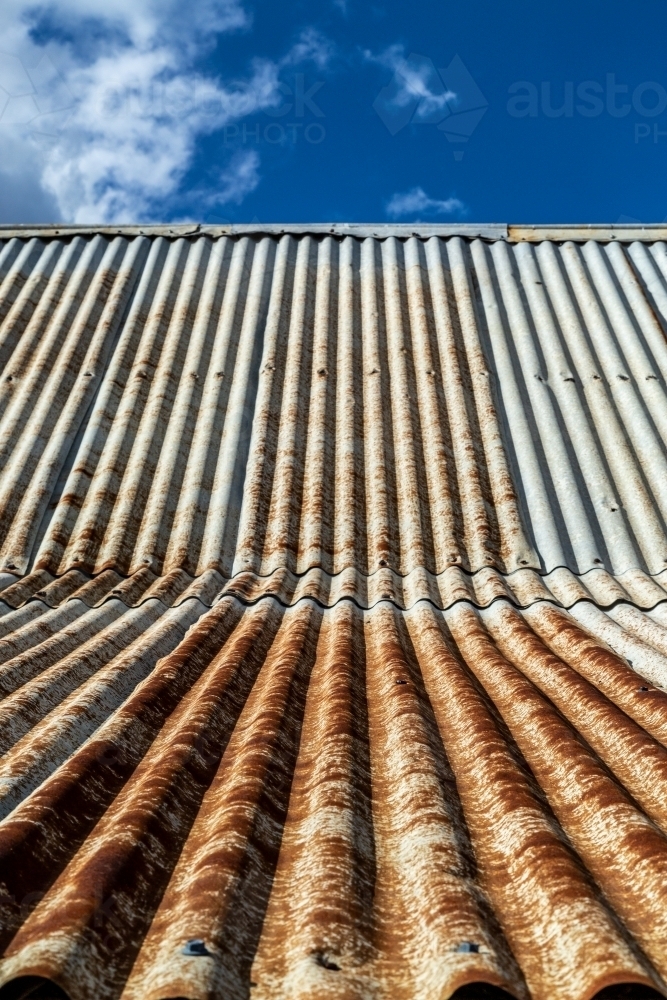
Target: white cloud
415	79
237	180
111	134
417	201
311	46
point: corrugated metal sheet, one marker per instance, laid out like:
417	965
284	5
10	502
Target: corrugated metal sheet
280	405
334	802
333	628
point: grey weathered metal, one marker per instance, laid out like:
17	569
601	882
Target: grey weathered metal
333	611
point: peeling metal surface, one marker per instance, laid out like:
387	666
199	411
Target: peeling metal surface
333	613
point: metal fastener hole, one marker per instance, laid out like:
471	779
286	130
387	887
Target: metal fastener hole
523	562
598	562
467	948
383	562
321	371
642	688
401	682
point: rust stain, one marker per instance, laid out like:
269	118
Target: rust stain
318	677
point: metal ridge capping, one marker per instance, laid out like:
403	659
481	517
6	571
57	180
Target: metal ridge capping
333	613
513	233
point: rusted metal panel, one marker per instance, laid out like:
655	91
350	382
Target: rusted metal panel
333	612
262	404
304	802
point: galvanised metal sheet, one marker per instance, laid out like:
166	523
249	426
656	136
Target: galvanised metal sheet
284	404
333	614
304	802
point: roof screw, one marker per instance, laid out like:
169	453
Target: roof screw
326	963
196	948
467	948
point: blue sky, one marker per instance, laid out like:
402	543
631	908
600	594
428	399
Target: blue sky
332	110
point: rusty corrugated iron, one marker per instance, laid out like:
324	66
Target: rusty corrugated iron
262	405
344	802
333	613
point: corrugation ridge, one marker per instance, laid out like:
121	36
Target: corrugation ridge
50	742
138	357
182	761
20	316
95	328
224	512
499	495
18	272
441	501
58	816
597	533
266	421
117	548
316	543
280	543
350	515
53	342
83	496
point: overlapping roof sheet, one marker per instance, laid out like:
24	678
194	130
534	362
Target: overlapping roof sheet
333	612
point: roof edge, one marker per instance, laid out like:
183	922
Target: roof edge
623	232
492	231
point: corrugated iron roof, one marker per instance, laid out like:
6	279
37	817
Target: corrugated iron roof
333	611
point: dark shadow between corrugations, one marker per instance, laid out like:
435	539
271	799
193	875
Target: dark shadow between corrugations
627	991
37	988
480	991
32	988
